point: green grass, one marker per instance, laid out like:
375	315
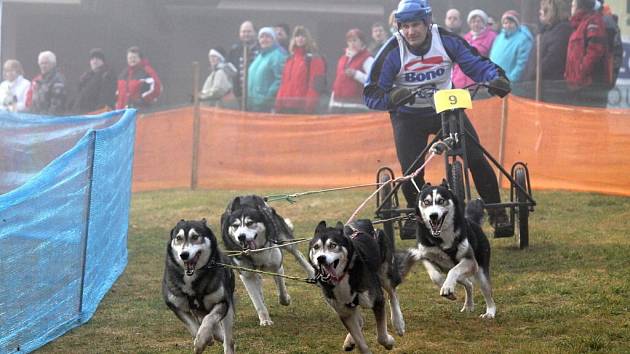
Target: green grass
569	292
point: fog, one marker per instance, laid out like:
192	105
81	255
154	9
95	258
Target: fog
175	33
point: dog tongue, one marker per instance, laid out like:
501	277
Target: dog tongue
251	245
190	268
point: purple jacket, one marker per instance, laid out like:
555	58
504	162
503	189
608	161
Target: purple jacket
483	43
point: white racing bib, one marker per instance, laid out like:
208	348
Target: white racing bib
433	69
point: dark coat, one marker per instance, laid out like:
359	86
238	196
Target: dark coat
47	94
97	90
554	40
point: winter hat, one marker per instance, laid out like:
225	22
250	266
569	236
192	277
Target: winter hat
217	53
268	31
512	16
480	13
97	53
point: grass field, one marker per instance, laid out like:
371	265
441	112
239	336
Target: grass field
569	292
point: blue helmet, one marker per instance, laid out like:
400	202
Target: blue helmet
413	10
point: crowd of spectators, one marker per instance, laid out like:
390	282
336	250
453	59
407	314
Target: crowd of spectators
276	69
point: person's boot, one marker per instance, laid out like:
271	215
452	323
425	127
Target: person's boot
408	231
500	221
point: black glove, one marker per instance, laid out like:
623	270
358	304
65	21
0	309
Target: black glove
400	96
499	87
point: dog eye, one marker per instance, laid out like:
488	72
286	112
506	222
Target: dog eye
178	238
249	223
316	247
332	246
426	202
440	202
195	237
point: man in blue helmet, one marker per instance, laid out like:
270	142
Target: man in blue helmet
422	54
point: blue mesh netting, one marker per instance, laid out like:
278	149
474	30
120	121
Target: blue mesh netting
63	220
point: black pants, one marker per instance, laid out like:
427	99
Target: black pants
411	135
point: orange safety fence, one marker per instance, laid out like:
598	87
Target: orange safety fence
565	148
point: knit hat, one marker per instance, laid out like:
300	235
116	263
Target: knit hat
217	53
512	16
97	53
268	31
480	13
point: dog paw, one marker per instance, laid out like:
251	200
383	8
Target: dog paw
201	343
399	326
387	342
448	292
348	343
285	300
264	323
487	316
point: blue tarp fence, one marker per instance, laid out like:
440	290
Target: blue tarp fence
65	190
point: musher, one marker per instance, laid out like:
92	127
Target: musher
423	54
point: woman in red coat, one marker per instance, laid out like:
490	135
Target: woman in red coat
352	70
304	75
138	84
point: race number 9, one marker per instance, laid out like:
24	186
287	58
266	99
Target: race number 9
451	99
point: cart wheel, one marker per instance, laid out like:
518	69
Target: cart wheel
386	204
456	181
520	176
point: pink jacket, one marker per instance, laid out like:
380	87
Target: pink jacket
483	43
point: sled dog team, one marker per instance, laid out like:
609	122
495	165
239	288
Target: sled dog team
352	265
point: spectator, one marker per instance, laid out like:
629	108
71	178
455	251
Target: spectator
352	69
219	81
555	30
393	28
512	46
97	86
585	70
282	35
47	94
480	37
242	55
379	37
265	73
304	76
615	45
453	21
138	85
394	76
14	88
493	25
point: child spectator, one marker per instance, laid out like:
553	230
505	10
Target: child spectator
480	37
304	75
265	73
138	84
512	46
352	69
97	86
219	81
47	94
14	88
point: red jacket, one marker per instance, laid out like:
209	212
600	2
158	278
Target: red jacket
586	54
297	90
138	86
347	88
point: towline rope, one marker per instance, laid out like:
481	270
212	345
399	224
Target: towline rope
248	252
304	280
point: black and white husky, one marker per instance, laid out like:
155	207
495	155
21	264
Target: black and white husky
201	295
249	223
454	244
353	265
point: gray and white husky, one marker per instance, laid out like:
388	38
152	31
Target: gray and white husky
200	294
453	243
353	265
249	223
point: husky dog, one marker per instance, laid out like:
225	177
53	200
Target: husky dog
353	265
250	224
453	243
201	295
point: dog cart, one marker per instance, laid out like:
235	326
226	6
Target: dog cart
451	141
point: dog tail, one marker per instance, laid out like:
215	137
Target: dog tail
474	211
405	260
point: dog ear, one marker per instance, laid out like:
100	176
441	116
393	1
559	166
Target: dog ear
321	227
426	185
444	183
236	204
204	221
339	226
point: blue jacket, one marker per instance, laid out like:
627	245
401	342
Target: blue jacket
387	65
263	79
510	51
